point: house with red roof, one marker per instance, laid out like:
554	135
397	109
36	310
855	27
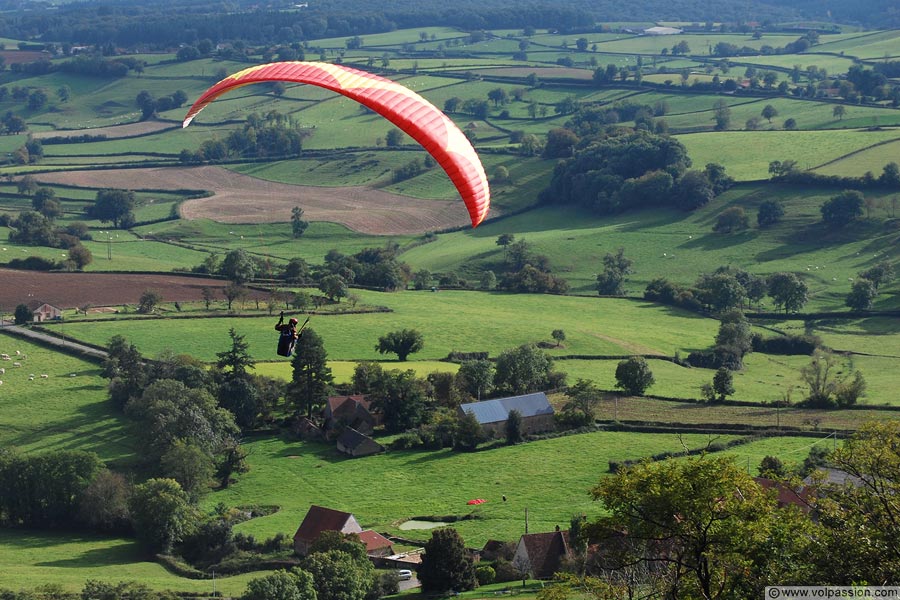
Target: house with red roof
376	544
348	411
319	519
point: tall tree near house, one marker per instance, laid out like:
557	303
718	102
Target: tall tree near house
446	564
312	378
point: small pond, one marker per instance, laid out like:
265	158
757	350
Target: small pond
413	524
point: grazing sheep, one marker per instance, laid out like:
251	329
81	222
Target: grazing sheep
18	353
17	364
44	376
31	378
72	375
2	371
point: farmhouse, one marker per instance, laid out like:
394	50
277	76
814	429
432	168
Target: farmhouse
319	519
353	443
542	552
43	311
537	414
348	411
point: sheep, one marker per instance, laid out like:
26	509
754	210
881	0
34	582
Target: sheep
17	364
2	371
18	353
44	376
72	375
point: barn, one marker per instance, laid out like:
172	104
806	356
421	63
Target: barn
537	414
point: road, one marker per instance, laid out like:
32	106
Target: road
39	336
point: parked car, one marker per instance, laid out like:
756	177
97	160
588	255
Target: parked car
404	574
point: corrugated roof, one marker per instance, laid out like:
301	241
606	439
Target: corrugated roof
493	411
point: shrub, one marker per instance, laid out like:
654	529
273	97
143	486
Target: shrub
485	575
785	344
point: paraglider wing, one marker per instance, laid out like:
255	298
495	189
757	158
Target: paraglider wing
414	115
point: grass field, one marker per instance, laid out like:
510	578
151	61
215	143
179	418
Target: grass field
448	320
748	154
60	412
29	558
384	490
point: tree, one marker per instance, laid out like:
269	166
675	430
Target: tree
634	376
233	291
190	466
559	335
237	360
862	295
772	467
788	291
23	315
843	209
298	225
400	396
879	274
148	302
402	343
513	428
340	575
238	267
867	510
768	112
819	376
522	370
693	191
475	377
723	383
731	219
116	206
770	213
702	527
161	514
104	503
790	124
722	115
560	143
80	256
446	564
612	280
583	397
839	111
393	138
27	185
334	287
295	584
488	280
311	380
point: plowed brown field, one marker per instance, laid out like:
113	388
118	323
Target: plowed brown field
71	290
243	199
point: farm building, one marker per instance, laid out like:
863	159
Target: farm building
376	544
43	311
319	519
348	411
542	552
354	443
537	414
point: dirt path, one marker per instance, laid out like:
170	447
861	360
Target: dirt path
243	199
54	341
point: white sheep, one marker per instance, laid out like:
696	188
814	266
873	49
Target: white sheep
18	353
17	364
2	371
72	375
31	378
44	376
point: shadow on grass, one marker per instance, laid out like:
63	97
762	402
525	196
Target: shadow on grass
118	554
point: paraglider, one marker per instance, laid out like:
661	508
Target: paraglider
288	334
406	109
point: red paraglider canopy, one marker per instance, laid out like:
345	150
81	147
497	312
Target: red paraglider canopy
404	108
477	501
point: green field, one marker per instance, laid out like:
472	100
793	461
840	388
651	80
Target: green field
66	411
748	154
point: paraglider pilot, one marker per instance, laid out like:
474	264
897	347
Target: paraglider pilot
289	334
